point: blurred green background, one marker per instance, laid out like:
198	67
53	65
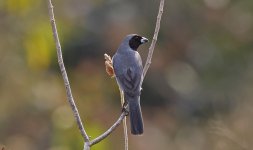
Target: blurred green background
197	93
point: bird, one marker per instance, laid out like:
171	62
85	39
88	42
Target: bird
128	71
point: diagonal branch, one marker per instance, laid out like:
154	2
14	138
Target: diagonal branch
110	130
152	46
64	74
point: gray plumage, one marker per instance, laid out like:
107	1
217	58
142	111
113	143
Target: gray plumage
128	69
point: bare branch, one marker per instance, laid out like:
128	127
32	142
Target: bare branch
152	46
110	130
125	133
124	120
64	74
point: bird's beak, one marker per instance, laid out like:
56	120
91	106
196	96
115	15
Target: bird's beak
144	40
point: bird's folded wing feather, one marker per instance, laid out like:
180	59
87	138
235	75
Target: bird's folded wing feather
130	80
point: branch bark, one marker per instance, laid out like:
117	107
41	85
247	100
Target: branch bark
124	120
65	76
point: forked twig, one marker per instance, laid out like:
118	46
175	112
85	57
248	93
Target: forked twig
70	98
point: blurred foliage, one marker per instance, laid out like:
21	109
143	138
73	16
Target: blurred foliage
38	45
197	93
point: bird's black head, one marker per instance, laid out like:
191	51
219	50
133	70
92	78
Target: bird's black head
136	40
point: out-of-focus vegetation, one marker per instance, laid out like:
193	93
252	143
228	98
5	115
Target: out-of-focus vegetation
197	93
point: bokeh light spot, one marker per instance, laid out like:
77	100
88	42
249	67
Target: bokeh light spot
182	78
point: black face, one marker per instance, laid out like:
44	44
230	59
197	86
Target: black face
135	42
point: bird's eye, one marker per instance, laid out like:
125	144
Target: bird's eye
136	38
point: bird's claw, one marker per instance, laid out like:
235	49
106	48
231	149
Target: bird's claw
125	108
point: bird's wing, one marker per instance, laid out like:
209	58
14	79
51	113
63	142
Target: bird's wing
130	81
129	73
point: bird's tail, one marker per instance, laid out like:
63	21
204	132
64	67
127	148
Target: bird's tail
135	114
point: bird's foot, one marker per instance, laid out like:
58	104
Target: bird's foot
125	108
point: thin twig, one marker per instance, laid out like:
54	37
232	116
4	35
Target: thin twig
124	121
64	74
125	133
152	46
110	130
